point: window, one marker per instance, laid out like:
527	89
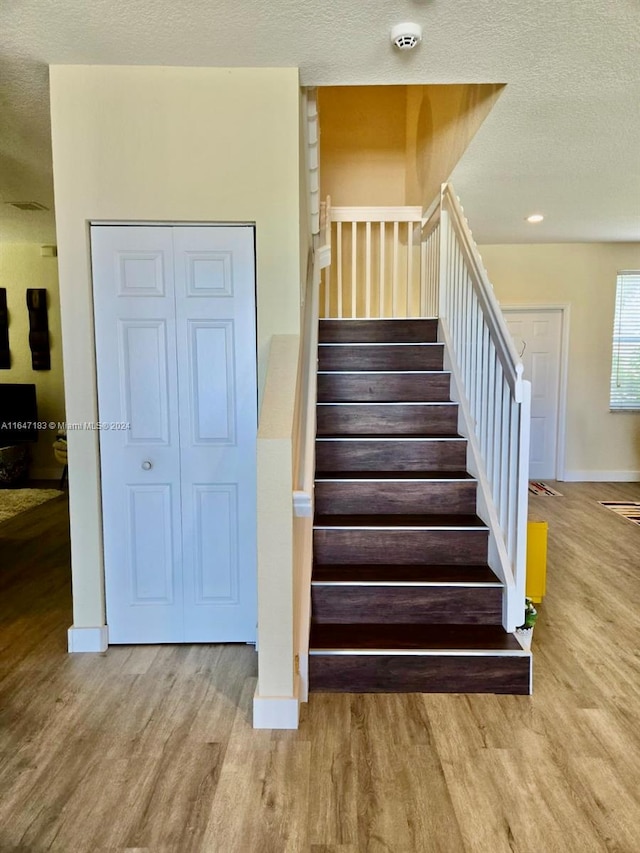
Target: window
625	365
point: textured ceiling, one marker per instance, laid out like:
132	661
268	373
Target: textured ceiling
564	138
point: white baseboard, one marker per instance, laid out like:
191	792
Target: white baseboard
602	476
275	712
88	639
45	473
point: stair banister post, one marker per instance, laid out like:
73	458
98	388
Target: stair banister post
522	499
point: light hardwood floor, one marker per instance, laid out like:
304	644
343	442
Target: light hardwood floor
151	748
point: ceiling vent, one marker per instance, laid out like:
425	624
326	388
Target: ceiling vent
27	205
406	36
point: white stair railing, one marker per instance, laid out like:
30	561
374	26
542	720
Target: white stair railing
494	399
376	263
379	268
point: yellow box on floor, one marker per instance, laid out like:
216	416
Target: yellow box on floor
536	560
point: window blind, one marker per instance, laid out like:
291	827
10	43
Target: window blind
625	365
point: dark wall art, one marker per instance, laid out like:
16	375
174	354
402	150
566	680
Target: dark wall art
5	355
38	328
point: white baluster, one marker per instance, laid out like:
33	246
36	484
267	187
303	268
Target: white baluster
381	293
367	306
497	432
504	461
339	266
326	275
409	267
394	280
354	268
424	276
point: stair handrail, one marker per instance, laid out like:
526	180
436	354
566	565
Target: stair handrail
306	396
494	399
304	428
509	358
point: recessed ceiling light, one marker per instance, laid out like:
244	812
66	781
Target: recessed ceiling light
535	217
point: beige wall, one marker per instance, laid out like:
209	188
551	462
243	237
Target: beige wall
22	266
165	144
599	444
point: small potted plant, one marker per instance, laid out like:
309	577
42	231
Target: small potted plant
524	632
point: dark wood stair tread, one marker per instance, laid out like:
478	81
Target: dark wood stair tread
399	637
393	475
349	343
418	330
368	573
390	436
423	404
400	521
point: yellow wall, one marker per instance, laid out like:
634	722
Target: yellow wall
395	145
164	144
22	266
441	122
599	444
362	144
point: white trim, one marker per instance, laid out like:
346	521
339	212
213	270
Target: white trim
387	438
302	504
394	584
323	256
393	478
88	639
412	653
565	319
481	528
602	476
376	214
275	712
408	403
165	223
312	156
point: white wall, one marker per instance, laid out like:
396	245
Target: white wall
600	445
22	266
164	144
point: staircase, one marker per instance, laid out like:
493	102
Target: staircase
402	597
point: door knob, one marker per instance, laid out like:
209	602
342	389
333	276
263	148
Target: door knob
147	465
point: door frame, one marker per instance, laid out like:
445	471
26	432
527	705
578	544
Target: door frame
564	309
155	223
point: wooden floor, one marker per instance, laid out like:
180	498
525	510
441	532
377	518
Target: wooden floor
151	748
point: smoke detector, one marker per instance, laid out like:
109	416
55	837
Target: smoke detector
406	36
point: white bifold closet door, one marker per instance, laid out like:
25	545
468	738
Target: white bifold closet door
176	362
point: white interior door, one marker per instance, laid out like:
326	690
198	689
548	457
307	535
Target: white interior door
537	335
176	361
